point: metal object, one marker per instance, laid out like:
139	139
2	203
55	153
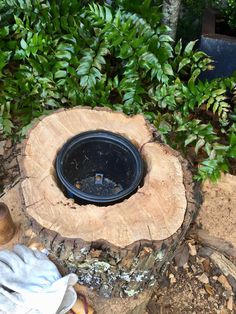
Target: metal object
7	226
98	178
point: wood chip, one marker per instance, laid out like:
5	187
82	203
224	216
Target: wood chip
230	303
203	278
192	249
224	264
223	280
206	265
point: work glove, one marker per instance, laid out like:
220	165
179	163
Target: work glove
31	282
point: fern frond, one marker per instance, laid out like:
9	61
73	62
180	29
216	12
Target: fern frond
131	88
89	70
100	14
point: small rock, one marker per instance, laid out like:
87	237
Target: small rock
203	278
2	150
164	282
211	299
230	303
186	267
192	249
172	278
8	143
223	280
205	251
194	269
202	291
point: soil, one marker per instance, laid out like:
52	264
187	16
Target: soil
218	212
194	287
193	284
9	169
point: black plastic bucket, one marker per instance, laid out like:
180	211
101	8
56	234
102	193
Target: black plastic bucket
99	167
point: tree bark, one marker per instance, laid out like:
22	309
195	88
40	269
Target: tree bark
170	10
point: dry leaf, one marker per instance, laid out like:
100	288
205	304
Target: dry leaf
209	289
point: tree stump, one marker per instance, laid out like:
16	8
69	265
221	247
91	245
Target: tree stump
119	250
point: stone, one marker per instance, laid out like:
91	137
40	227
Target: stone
8	143
205	251
192	249
172	278
2	147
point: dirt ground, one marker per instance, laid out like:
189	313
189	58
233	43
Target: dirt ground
196	287
194	282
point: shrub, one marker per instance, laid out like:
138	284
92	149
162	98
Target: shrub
66	53
228	10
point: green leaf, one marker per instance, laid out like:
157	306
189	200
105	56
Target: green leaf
183	63
66	46
63	55
61	65
190	139
217	92
168	69
232	152
166	38
178	47
189	48
108	14
60	74
200	143
23	44
232	139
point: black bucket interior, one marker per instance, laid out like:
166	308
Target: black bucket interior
99	167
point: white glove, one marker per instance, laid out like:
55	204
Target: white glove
32	282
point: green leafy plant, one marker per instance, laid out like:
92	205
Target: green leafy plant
67	53
228	10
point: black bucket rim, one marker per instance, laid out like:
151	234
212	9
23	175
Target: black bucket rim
109	137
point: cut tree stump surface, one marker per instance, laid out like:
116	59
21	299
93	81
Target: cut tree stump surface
155	212
118	250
